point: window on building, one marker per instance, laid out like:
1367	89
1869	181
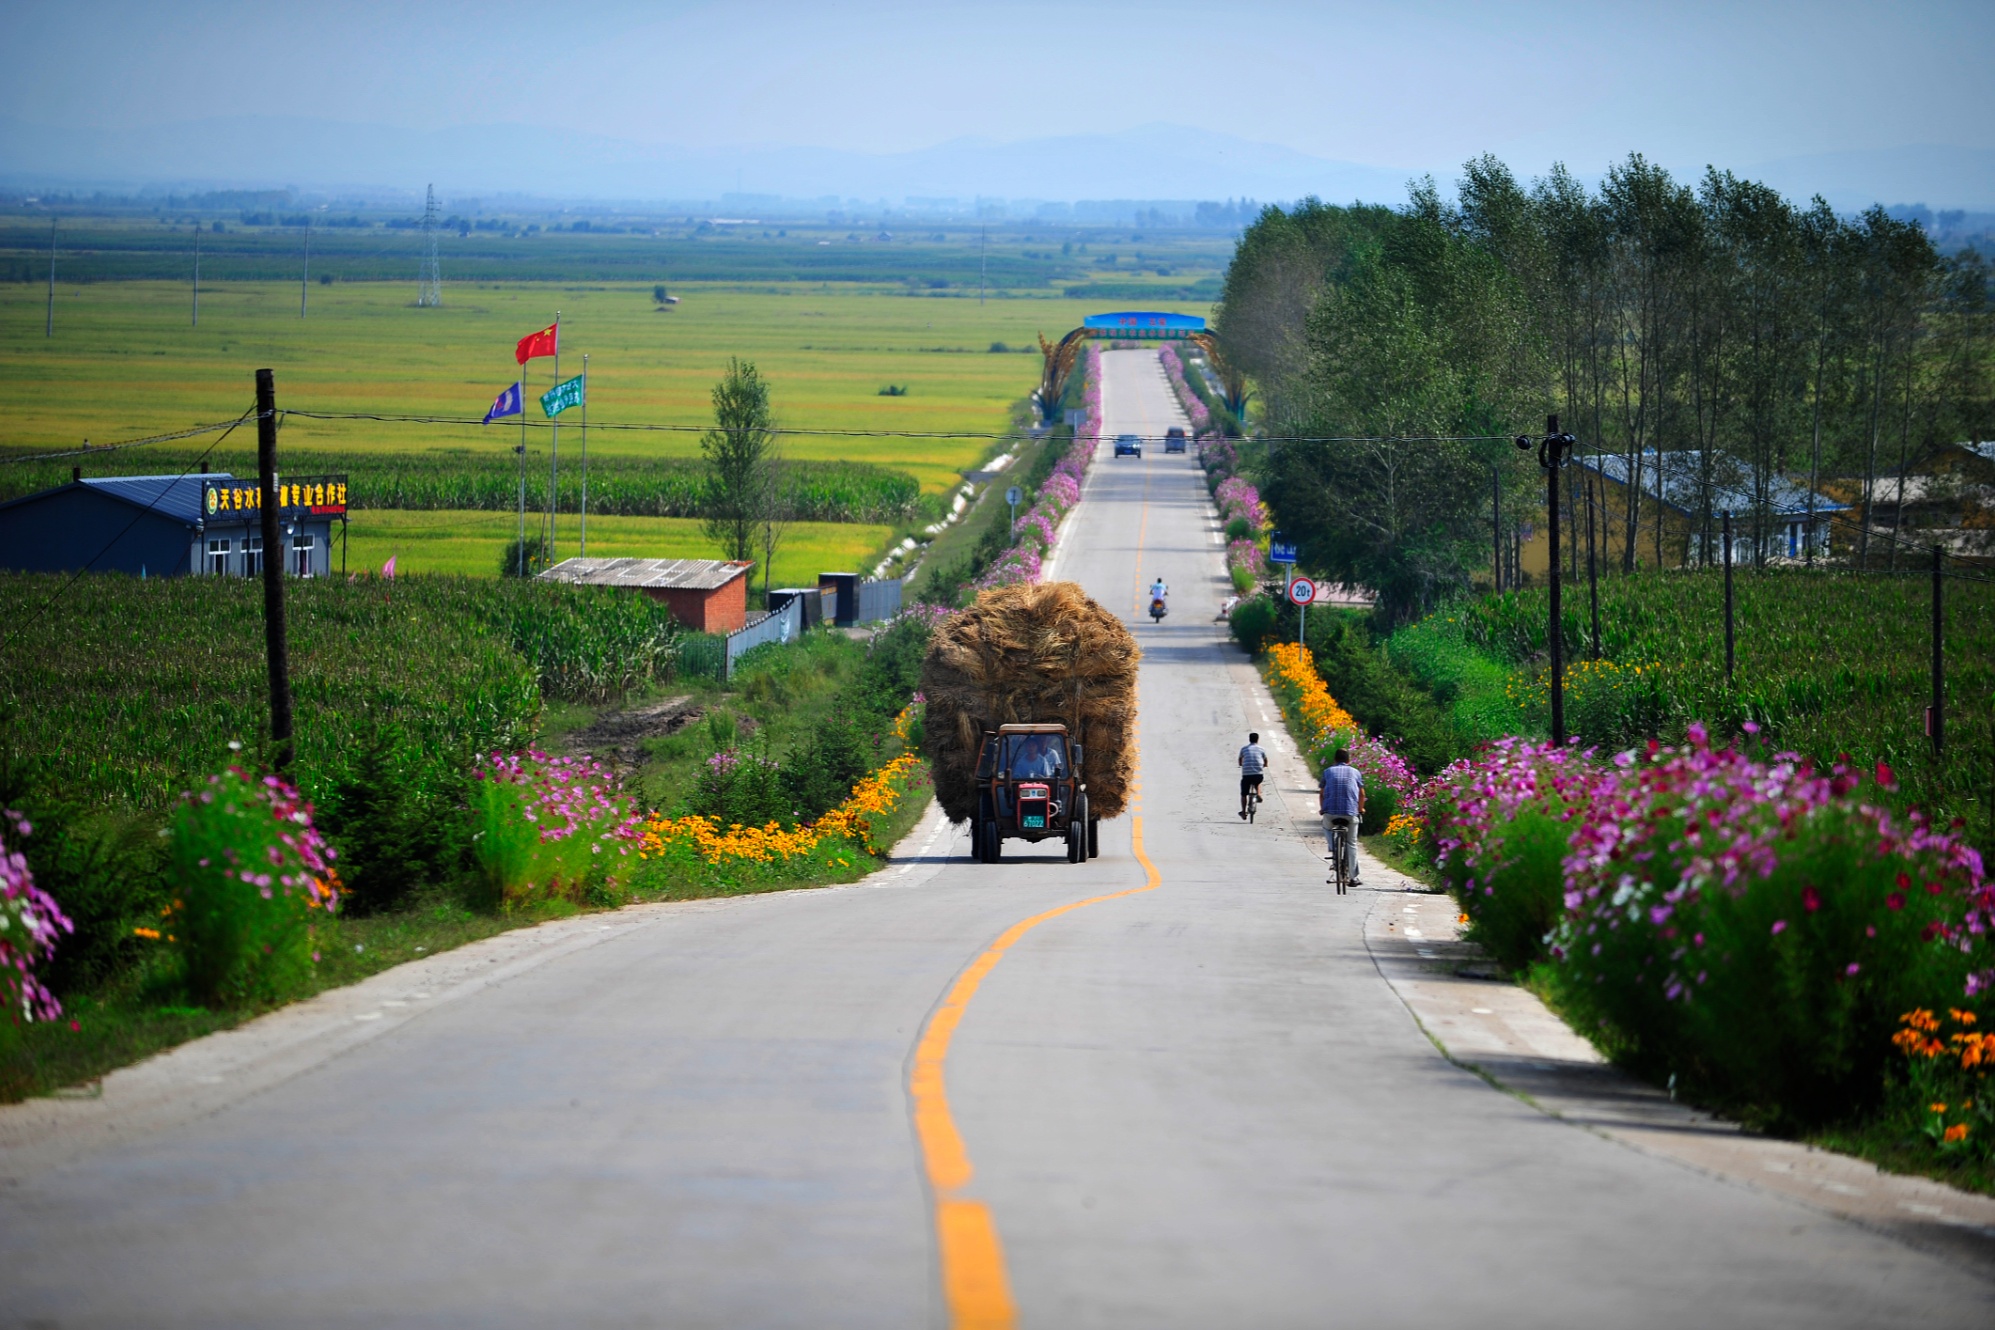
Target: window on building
218	555
301	553
252	556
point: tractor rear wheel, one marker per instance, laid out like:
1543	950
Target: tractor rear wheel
1094	838
993	843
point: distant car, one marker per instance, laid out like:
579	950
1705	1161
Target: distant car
1174	440
1128	445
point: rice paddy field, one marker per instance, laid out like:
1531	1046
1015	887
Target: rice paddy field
125	362
472	543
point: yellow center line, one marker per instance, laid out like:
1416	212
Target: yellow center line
1137	607
975	1285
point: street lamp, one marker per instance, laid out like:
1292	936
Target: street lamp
1554	451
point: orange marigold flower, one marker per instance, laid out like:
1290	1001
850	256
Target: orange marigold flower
1957	1132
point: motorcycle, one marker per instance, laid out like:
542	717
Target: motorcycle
1157	610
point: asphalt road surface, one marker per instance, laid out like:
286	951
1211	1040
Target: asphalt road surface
1197	1104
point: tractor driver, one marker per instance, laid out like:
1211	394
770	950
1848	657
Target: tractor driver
1036	757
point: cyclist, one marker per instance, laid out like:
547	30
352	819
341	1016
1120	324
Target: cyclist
1253	763
1341	799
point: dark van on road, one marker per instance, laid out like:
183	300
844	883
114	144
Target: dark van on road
1174	440
1128	445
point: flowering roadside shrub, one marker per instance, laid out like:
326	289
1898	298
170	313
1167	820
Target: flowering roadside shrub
1174	370
30	922
1944	1088
1220	457
1246	565
1759	925
553	827
1501	825
1239	500
1322	727
250	875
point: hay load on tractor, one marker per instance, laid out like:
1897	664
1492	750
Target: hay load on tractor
1031	717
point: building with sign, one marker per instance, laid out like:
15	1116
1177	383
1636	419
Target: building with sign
169	526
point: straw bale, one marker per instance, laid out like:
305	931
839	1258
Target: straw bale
1031	652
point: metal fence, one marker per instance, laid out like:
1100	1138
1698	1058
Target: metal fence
783	625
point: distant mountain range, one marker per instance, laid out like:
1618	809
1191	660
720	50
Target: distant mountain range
1154	161
1158	161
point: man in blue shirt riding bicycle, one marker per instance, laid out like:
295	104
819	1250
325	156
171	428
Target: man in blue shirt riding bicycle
1341	800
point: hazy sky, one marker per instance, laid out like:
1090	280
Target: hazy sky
1410	84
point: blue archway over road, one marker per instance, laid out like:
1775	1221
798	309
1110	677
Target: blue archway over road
1126	325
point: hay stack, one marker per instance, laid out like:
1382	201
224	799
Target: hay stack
1024	653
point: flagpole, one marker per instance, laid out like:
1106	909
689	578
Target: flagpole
519	385
554	452
585	454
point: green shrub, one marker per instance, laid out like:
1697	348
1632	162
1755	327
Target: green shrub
398	820
1381	696
1239	529
1381	802
738	787
820	772
1243	578
1255	622
250	875
524	557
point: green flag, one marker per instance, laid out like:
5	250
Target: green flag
562	396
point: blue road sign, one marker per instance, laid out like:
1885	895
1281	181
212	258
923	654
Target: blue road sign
1280	549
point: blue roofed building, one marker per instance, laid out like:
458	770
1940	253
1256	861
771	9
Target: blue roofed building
167	526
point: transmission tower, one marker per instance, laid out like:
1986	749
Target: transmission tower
429	287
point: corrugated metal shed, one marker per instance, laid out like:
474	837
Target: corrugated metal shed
649	574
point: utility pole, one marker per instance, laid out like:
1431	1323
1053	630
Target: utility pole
49	331
1936	716
277	649
305	277
1592	573
1496	529
1554	449
1728	598
197	272
983	235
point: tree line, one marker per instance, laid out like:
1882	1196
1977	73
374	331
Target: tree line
1717	329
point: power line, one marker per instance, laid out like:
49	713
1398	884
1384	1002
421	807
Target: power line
89	450
822	432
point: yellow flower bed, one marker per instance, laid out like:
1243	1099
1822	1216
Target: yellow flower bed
875	796
1290	667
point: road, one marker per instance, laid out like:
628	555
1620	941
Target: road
1195	1105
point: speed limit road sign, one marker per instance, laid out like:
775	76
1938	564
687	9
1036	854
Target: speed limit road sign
1301	591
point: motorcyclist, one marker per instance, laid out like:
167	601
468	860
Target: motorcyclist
1159	597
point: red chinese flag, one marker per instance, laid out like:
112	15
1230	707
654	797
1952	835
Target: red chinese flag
542	343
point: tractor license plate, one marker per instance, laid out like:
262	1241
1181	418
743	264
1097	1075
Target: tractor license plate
1036	823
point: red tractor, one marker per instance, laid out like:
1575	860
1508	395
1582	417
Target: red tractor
1030	788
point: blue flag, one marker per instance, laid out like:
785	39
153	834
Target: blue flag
506	403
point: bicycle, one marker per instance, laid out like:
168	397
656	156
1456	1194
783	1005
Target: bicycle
1340	852
1253	802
